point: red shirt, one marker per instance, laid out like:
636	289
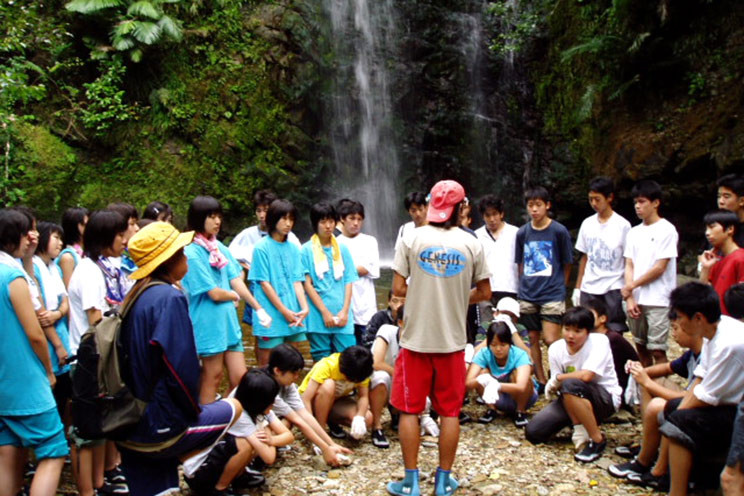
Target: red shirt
726	272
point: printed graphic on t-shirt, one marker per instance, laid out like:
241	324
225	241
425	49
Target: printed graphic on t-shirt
537	258
602	256
441	261
570	369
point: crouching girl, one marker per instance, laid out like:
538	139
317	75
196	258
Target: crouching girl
501	373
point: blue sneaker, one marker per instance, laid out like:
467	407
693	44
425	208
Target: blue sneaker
399	488
445	485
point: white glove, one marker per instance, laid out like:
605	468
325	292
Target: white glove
469	352
429	425
580	436
491	393
551	388
576	297
491	387
263	317
358	427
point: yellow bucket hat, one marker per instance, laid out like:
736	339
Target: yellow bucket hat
154	244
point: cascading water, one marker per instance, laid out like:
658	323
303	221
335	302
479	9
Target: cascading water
365	157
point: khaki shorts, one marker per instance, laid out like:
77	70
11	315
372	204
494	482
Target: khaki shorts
531	314
651	329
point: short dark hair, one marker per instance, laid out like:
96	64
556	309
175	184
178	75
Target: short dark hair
348	207
598	305
286	358
646	188
695	297
102	228
263	197
490	201
579	317
13	226
602	185
734	299
414	198
726	218
501	331
321	211
355	363
70	220
202	207
157	209
256	392
126	210
27	211
277	210
536	193
734	182
46	229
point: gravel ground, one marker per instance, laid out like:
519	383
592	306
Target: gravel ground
491	459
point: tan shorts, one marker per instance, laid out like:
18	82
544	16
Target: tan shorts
651	329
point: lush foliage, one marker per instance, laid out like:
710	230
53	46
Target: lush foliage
133	25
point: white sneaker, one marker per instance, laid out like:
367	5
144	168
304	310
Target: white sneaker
429	426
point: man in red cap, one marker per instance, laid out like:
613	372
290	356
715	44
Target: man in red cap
443	263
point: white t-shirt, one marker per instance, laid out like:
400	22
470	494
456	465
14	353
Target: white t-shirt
645	245
405	230
721	366
364	252
389	333
242	245
500	257
604	245
52	283
287	401
87	290
595	356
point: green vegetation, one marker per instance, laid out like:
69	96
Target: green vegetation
144	100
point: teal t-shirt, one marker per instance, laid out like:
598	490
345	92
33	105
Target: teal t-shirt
216	325
279	264
62	332
72	252
331	291
517	357
24	387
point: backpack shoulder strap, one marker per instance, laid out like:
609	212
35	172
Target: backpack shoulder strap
130	303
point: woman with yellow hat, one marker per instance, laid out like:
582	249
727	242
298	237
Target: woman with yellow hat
162	368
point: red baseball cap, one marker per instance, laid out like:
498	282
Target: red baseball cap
442	200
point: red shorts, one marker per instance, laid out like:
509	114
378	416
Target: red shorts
440	376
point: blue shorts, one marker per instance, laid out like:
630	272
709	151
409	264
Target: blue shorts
323	344
236	346
269	343
42	431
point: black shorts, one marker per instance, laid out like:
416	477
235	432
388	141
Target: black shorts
704	431
613	300
598	396
736	453
62	392
209	472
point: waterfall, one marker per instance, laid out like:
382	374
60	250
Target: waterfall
365	157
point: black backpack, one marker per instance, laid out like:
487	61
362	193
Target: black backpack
102	404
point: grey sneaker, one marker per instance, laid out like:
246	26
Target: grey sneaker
591	451
628	469
379	439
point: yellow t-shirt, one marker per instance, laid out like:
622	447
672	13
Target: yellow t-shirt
330	368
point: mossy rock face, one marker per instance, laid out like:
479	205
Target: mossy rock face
47	170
